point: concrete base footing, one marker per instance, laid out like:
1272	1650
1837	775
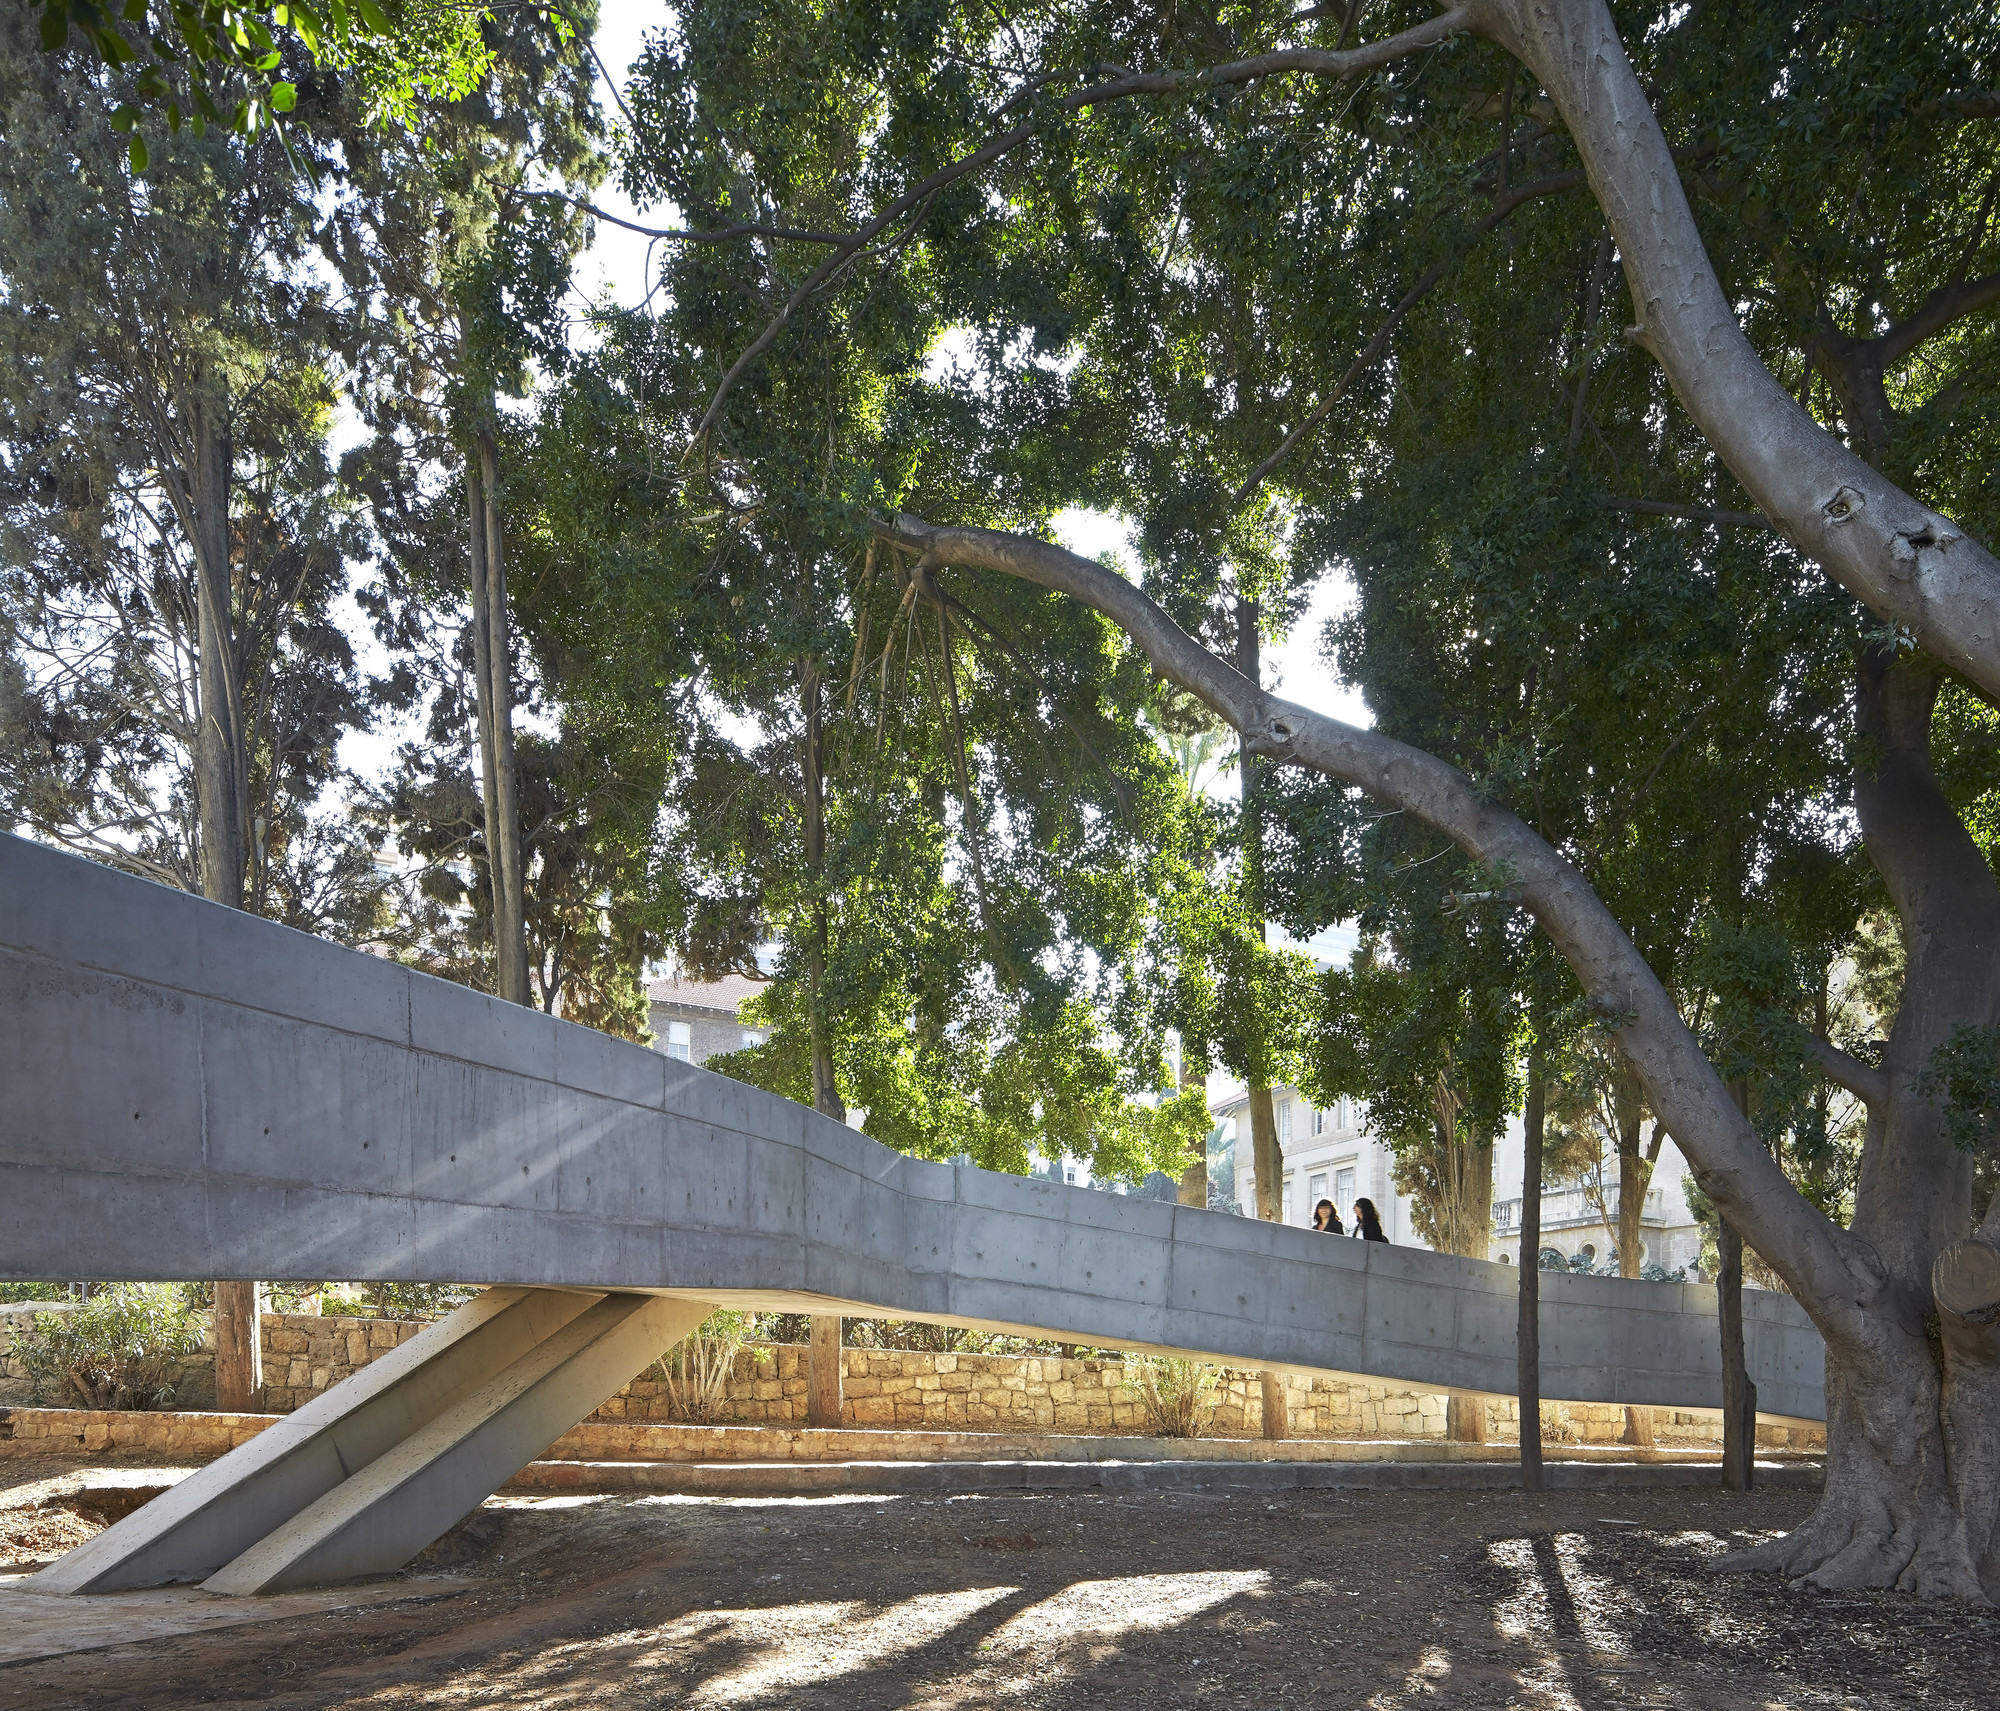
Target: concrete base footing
794	1479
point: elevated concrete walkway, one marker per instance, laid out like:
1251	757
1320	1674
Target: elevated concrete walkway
194	1093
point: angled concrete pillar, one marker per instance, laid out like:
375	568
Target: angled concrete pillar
823	1372
221	1511
415	1492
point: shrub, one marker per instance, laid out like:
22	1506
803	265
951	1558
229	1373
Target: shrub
697	1370
1176	1394
119	1348
402	1301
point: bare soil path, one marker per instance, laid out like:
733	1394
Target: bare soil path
1371	1600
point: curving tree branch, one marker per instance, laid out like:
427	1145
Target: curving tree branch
1833	1274
1843	1069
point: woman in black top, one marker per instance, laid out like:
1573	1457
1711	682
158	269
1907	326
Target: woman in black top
1326	1216
1366	1224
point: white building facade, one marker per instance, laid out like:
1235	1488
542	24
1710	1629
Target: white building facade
1331	1154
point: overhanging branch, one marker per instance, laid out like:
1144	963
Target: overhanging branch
1822	1263
1843	1069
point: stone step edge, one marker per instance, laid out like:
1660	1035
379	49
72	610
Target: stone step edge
29	1431
665	1442
794	1479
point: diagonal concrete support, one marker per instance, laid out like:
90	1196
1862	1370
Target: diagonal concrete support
411	1495
217	1514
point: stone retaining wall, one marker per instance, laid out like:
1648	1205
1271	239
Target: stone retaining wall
305	1354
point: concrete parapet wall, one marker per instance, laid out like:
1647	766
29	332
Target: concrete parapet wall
195	1092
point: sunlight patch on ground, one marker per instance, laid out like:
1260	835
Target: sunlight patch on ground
794	1645
1112	1609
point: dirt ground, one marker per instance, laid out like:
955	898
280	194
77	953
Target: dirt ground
1096	1599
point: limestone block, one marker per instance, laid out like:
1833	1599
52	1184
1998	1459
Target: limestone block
871	1411
945	1363
357	1347
282	1340
864	1387
956	1381
382	1335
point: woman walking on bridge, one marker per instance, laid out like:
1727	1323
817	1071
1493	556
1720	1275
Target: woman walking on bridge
1367	1225
1326	1217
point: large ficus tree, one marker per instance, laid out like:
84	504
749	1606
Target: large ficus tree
1797	204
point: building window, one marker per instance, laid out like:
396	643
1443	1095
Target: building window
752	1037
1318	1121
680	1041
1287	1213
1343	1190
1316	1189
1284	1122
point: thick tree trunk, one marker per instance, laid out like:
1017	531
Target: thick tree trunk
1913	1397
1528	1332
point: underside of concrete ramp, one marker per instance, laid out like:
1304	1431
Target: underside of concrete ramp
192	1092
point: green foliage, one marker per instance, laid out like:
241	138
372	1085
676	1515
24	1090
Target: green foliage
11	1292
144	331
121	1347
207	62
408	1302
1963	1075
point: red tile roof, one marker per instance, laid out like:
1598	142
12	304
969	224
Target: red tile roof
722	996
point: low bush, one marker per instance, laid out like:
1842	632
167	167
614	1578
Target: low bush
697	1370
1177	1395
121	1347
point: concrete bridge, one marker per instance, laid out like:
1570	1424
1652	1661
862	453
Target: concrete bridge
191	1092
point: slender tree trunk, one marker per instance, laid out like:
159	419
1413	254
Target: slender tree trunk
1528	1334
823	1372
1276	1412
1471	1237
1267	1159
823	1353
1635	1176
496	719
1739	1395
219	762
482	701
1193	1188
826	1090
221	788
